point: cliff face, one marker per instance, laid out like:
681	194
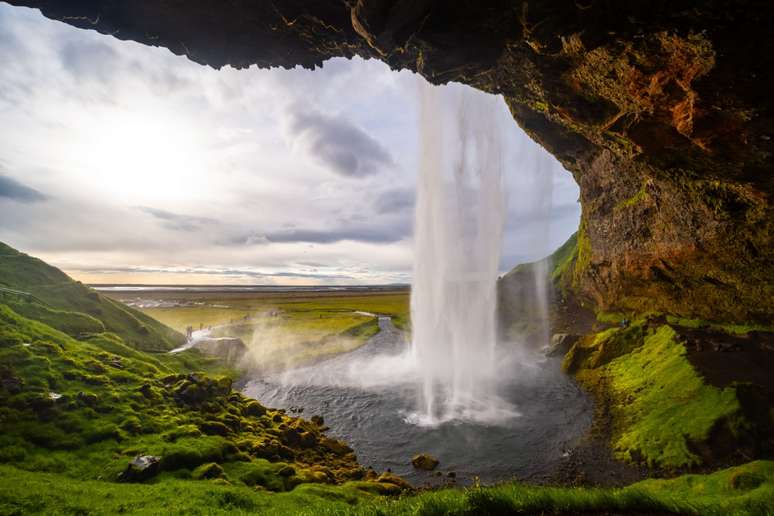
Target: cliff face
661	110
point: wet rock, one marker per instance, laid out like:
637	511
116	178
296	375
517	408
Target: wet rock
318	420
561	344
424	461
141	468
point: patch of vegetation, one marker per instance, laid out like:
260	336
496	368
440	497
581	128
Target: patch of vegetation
316	315
732	329
23	492
49	292
659	404
741	490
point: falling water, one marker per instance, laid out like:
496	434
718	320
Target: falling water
459	220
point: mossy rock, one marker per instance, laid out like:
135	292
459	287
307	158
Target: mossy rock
208	471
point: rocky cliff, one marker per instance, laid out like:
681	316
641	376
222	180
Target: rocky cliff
661	110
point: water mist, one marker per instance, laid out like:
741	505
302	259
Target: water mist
460	214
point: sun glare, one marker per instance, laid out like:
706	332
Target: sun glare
141	158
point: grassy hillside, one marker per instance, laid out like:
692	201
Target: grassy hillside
44	292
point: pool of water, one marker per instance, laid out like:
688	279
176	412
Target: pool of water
374	417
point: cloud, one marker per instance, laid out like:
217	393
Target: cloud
374	235
394	201
337	143
14	190
176	221
210	271
84	58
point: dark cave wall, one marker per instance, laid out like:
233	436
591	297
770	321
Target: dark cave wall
660	109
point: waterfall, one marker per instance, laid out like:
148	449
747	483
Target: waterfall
460	213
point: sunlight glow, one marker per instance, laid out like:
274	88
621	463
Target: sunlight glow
140	158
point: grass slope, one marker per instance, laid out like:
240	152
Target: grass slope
48	294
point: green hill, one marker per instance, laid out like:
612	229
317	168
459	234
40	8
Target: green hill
39	291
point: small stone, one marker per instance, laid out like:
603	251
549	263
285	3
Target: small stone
424	461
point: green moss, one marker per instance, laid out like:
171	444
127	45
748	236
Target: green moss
732	329
598	349
666	405
639	197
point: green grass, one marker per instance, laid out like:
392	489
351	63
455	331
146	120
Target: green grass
743	490
326	314
23	492
54	296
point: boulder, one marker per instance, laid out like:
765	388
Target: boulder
229	349
424	461
141	468
561	344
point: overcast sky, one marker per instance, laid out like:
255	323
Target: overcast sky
122	163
